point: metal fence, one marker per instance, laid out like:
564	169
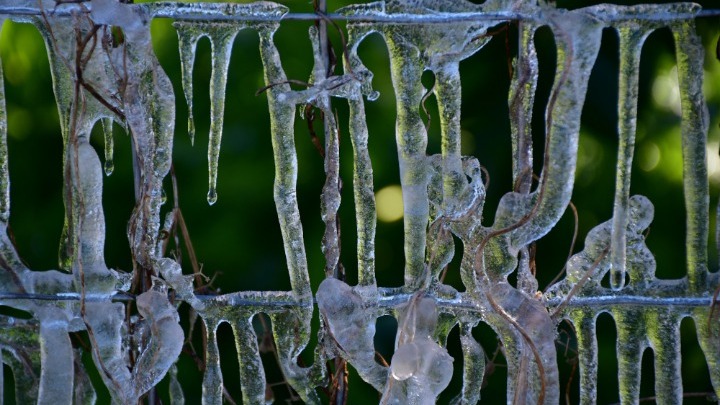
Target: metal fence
105	69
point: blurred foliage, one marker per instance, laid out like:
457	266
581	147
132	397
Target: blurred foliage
238	239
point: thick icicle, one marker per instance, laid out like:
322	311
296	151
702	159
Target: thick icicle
632	38
521	102
663	331
105	320
107	124
177	397
365	214
252	374
212	388
412	50
78	111
282	118
449	97
473	366
56	377
631	343
291	329
584	321
708	330
411	137
690	56
4	174
92	231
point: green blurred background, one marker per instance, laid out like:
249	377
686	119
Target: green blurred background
238	240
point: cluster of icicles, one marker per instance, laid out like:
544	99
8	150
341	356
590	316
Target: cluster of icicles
443	196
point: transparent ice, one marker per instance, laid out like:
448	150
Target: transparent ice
443	196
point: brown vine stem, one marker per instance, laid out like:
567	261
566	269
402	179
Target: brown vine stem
572	246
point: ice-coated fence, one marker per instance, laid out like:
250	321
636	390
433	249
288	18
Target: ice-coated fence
104	68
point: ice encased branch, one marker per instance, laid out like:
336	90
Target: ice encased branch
420	369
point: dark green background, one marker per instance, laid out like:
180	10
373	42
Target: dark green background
238	239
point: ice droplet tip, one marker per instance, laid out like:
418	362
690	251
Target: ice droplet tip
109	167
212	196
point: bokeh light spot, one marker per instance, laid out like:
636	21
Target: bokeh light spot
666	92
389	203
649	156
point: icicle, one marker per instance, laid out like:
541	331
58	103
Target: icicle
406	70
72	125
365	211
221	39
473	366
282	119
521	102
291	329
84	392
92	230
438	48
694	127
630	347
663	332
584	321
252	373
177	397
449	96
632	38
4	174
56	377
708	330
212	387
188	37
107	124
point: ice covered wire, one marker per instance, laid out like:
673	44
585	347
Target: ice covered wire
97	79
